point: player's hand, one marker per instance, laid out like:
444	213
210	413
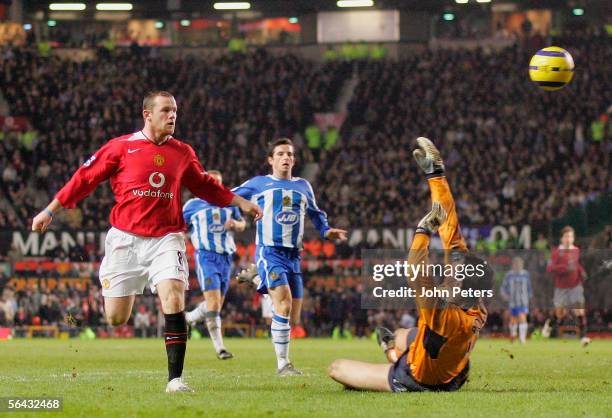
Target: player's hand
230	225
336	234
250	208
41	222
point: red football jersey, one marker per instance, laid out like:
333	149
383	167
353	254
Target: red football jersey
146	179
566	267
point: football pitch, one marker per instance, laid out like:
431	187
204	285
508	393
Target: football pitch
126	378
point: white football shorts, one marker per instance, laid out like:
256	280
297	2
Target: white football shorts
131	261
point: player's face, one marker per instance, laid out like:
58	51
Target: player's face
517	264
567	239
162	116
282	160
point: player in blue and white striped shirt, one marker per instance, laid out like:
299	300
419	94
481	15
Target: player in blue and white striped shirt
285	200
212	237
516	289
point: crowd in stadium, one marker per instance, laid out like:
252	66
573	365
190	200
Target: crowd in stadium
231	107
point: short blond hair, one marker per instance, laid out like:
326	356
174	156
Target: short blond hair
149	100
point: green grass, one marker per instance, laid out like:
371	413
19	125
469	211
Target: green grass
126	378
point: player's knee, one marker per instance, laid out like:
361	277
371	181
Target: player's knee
334	369
172	302
116	320
284	307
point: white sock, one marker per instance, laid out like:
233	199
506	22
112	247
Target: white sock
213	323
281	331
197	314
513	329
523	326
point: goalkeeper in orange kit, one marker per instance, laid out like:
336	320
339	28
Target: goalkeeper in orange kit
434	356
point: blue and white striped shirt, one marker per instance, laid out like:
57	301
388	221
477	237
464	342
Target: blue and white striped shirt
207	225
516	288
284	204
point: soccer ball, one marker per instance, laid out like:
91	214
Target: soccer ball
551	68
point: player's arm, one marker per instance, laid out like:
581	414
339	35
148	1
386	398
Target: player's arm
206	187
236	222
556	263
319	219
418	256
504	289
529	288
102	165
189	210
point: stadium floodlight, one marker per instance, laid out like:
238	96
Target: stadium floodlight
67	7
355	3
51	23
448	17
293	20
114	6
240	5
577	11
185	22
159	24
461	1
27	26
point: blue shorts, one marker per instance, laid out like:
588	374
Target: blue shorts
517	310
279	266
213	270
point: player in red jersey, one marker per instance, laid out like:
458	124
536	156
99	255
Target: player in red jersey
145	244
569	294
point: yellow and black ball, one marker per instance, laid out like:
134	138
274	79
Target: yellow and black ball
551	68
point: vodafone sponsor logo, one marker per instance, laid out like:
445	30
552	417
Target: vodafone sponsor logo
157	180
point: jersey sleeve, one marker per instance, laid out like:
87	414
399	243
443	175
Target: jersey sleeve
100	167
204	186
247	189
556	263
529	288
189	209
316	215
504	289
419	256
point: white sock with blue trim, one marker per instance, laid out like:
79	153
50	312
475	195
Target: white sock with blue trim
213	323
198	314
281	331
523	328
513	329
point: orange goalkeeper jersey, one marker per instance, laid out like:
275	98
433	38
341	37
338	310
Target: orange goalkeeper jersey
446	333
444	342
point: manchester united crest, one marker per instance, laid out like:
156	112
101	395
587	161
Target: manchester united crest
286	201
159	160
